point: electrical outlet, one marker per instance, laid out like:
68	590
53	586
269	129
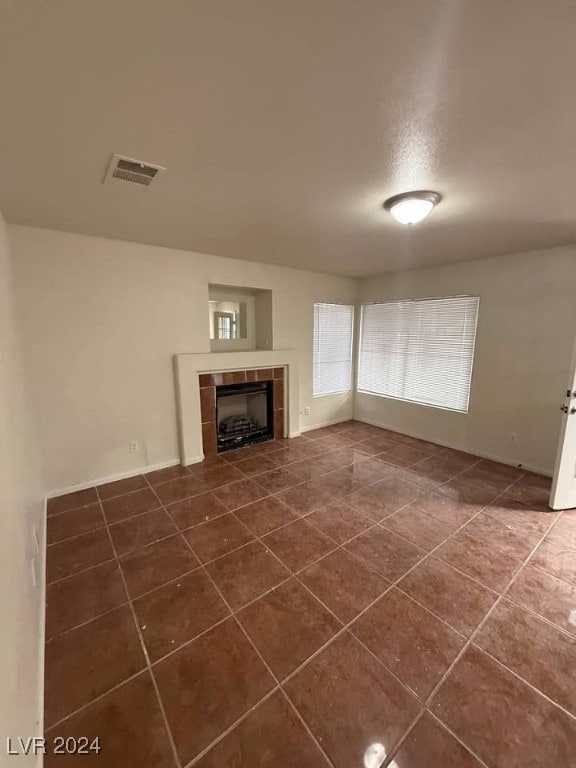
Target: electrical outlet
133	446
307	411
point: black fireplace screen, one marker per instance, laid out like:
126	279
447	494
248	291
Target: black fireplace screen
244	414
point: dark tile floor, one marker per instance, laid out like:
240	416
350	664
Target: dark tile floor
350	598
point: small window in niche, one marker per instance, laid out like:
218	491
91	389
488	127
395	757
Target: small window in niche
239	318
227	320
226	328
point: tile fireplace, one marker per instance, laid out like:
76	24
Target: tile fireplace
241	408
196	376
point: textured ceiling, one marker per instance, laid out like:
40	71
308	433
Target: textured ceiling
284	125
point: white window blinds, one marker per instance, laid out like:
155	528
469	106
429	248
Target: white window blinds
333	329
421	350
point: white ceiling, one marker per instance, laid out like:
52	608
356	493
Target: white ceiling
284	125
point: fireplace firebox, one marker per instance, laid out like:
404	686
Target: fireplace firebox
244	414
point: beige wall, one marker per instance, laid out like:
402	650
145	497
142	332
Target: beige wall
21	510
101	321
526	326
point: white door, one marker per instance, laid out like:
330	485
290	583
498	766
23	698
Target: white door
563	494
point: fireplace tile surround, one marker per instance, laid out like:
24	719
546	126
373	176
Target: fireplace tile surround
208	382
198	374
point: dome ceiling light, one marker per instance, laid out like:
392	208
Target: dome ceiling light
411	207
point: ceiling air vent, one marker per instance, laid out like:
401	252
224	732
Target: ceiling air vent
133	171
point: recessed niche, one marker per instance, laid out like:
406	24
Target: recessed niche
240	318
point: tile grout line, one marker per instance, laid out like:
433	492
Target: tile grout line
427	553
518	676
82	570
342	545
111	610
352	445
165	507
111	559
84	623
245	715
300	717
267	666
258	537
275	494
455	737
96	699
552	575
101	527
345	500
402	739
334	638
233	615
339	546
381	523
502	596
523	561
296	574
345	626
439	453
145	653
376	457
470	640
394	584
536	615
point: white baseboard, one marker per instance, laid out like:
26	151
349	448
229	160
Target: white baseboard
195	459
480	454
200	458
142	470
42	638
323	424
119	476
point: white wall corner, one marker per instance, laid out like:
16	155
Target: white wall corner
457	447
112	478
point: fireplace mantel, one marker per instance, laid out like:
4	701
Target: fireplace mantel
187	369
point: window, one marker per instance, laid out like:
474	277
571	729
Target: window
333	328
421	351
226	328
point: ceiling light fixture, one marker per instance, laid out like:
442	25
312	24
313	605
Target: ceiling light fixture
411	207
